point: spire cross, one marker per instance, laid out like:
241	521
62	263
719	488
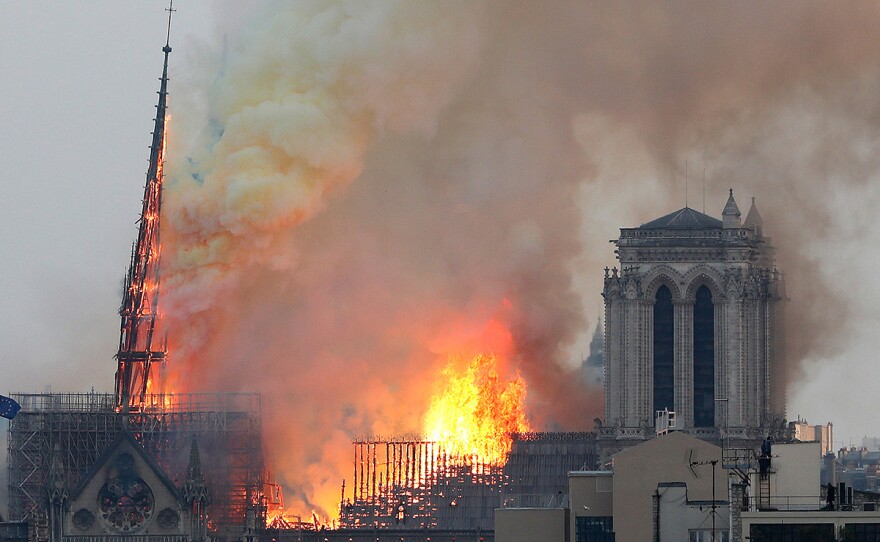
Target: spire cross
170	11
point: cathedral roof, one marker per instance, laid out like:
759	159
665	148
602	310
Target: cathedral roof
683	219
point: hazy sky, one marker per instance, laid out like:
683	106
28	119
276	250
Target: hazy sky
77	96
78	87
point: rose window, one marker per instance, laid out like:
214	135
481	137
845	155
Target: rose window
126	504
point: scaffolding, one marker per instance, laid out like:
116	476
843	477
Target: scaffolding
73	430
410	483
538	466
406	483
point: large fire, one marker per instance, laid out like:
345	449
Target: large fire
473	416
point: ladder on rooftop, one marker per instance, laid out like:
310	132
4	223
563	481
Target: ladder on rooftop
764	493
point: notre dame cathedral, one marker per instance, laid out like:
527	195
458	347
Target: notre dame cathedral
693	326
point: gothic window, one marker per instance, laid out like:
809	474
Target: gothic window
125	501
664	365
704	359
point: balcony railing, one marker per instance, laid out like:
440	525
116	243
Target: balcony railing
534	500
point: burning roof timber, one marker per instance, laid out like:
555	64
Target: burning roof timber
408	483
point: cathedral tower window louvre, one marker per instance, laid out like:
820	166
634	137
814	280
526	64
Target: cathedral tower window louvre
664	366
704	359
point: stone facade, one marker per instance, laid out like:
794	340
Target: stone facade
128	498
693	324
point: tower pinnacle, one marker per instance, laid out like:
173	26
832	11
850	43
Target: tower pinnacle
730	215
754	220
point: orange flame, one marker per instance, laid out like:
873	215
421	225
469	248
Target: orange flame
476	412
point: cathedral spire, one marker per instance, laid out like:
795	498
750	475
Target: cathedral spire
58	495
754	220
731	215
195	493
194	474
140	299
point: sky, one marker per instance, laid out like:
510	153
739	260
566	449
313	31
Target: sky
603	106
78	99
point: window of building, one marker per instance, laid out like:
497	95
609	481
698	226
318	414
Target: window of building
704	359
664	364
792	532
594	529
705	535
861	532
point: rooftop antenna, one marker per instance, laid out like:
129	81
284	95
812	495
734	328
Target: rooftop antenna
704	190
714	511
685	183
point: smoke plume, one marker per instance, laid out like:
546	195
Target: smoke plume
359	189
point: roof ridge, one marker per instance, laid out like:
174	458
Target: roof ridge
684	218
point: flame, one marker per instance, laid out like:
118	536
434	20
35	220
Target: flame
476	412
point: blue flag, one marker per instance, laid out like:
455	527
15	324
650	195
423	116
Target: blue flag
8	407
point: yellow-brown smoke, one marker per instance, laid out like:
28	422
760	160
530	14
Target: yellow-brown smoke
359	189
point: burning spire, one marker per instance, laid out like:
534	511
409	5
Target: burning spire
140	298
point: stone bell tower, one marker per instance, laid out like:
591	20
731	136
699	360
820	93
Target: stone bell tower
693	326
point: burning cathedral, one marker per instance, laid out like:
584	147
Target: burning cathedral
693	330
692	342
101	467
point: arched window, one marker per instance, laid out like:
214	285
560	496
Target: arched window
664	358
704	359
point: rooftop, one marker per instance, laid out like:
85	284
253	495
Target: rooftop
683	219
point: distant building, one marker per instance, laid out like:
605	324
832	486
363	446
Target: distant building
790	504
693	326
872	444
675	487
858	468
823	434
661	488
675	457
